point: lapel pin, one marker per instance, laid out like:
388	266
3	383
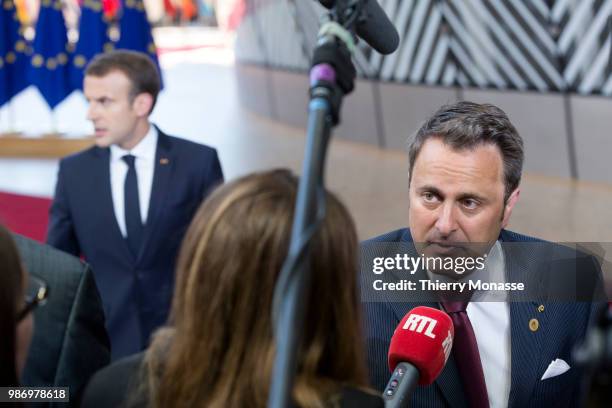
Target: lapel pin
541	308
164	161
534	325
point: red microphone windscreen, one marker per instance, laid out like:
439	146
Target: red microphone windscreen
423	338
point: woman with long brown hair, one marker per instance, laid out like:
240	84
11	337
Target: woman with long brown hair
218	348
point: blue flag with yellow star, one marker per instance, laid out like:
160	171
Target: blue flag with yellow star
49	67
135	30
93	39
13	49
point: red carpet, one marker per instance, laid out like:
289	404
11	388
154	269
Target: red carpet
25	215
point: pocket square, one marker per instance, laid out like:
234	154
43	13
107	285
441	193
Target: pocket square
555	368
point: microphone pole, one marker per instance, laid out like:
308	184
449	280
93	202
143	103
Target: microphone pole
331	77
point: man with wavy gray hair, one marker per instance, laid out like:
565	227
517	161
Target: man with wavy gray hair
465	170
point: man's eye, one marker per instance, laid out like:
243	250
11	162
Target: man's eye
470	204
429	197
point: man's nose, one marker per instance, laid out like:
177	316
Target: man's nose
91	112
446	222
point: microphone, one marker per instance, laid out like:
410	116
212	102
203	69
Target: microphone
373	26
419	348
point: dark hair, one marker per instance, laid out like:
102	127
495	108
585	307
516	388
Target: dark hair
11	291
465	125
221	322
137	66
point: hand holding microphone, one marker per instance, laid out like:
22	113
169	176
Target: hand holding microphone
419	349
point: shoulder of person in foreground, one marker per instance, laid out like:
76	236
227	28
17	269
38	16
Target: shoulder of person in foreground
351	397
70	342
117	385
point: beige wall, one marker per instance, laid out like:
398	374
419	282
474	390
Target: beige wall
565	136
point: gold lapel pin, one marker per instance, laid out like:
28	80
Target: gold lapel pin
541	308
534	325
164	161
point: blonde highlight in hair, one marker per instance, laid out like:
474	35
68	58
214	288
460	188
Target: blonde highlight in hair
219	348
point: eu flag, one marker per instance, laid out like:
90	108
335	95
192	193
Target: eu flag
13	49
93	39
49	67
135	30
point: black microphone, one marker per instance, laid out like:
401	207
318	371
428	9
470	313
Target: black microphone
373	26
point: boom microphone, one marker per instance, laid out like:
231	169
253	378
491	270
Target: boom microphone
419	348
373	26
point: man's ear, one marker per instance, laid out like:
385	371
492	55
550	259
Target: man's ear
142	104
510	206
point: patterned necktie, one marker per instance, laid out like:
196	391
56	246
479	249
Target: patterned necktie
133	220
467	357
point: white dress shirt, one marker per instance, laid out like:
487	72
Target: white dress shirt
491	323
144	152
490	319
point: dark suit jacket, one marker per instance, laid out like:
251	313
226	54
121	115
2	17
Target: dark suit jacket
116	385
562	324
136	291
70	342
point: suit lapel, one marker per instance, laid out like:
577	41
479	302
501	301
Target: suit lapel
102	189
525	344
164	166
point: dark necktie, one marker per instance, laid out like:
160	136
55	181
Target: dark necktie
133	221
467	357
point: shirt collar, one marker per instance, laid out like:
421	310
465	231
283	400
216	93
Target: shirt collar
145	149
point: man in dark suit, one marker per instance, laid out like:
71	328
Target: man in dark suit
126	203
515	348
70	342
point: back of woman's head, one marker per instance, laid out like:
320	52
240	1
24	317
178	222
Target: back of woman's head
11	294
220	352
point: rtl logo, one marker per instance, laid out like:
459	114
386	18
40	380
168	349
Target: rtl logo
420	324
